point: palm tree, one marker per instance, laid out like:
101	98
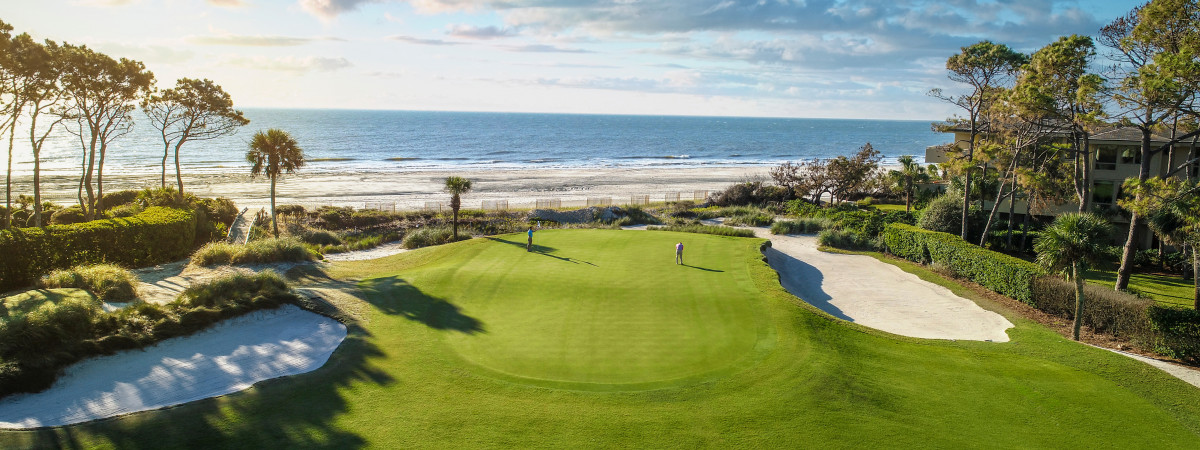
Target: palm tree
457	186
907	177
1068	246
274	152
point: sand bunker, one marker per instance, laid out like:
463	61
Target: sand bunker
229	357
866	291
381	251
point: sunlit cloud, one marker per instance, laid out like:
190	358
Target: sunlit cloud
420	41
474	32
250	41
227	3
328	9
290	64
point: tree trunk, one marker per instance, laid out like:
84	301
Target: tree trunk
37	171
1077	274
1025	224
455	226
166	153
100	178
987	227
12	134
179	175
1195	277
1135	220
1012	200
87	183
274	223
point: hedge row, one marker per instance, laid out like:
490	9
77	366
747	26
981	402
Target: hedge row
156	235
1001	273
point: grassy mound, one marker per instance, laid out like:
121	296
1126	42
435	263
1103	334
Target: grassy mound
108	282
405	376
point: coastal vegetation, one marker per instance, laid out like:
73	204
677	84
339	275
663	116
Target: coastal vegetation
456	187
258	251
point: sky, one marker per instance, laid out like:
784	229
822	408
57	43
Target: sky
870	59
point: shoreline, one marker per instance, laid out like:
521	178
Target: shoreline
411	190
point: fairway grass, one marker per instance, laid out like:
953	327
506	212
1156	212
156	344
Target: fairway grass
1167	290
435	360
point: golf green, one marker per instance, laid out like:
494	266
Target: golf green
600	310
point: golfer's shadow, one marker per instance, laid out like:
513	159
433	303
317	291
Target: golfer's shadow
541	250
702	268
398	297
804	281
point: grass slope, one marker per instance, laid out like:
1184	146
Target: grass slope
401	379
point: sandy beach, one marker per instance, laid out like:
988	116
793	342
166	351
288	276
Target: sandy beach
410	190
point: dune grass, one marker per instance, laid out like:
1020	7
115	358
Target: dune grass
108	282
255	252
419	370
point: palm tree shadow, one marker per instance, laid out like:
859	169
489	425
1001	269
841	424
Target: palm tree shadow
541	250
702	268
396	296
804	281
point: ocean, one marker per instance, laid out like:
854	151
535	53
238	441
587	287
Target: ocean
398	141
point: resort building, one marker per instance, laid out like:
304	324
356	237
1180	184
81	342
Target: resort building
1116	155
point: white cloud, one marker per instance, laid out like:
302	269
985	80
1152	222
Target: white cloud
290	63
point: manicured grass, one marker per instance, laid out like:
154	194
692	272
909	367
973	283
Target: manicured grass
417	370
885	207
1169	290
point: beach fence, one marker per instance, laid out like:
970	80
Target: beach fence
699	195
639	200
381	206
494	205
599	201
671	197
436	206
548	203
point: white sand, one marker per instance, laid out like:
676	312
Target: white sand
381	251
227	358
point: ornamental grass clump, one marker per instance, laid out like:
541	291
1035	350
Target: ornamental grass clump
803	225
706	229
256	252
108	282
427	236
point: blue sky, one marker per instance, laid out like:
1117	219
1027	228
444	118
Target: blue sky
780	58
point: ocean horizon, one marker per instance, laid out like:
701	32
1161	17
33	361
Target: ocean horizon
350	141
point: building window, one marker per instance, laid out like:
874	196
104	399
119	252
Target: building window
1106	157
1103	194
1131	155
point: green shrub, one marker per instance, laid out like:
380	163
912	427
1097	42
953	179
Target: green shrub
943	214
635	215
427	236
320	237
255	252
67	216
107	282
751	220
996	271
263	290
1177	332
155	236
290	210
803	225
706	229
846	240
127	210
115	199
1105	310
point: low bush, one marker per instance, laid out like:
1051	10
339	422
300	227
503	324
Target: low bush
67	216
635	215
803	225
706	229
254	252
846	240
427	236
114	199
751	220
1105	310
1177	332
107	282
290	210
996	271
320	238
156	235
127	210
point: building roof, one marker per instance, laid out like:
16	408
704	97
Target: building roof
1126	134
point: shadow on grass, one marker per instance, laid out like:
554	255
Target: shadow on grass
289	412
701	268
541	250
804	281
397	297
